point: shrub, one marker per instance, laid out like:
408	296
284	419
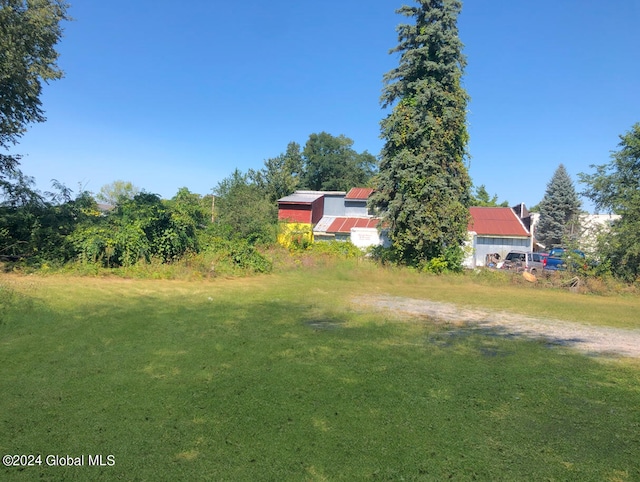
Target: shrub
342	249
232	256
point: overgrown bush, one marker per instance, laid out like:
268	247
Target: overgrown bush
436	265
342	249
448	262
383	255
232	256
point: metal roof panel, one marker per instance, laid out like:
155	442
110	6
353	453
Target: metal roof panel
496	221
300	198
362	193
344	224
324	223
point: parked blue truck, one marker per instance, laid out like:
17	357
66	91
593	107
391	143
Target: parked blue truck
560	259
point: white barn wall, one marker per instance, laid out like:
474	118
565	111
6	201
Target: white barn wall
366	237
484	245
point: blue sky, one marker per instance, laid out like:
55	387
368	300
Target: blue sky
167	96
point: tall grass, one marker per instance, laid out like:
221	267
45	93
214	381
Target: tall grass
280	377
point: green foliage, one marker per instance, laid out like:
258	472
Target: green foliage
559	211
423	188
384	255
189	214
481	198
243	210
234	256
116	192
246	256
30	31
437	265
615	187
340	249
448	262
36	226
295	236
281	175
112	245
331	164
142	228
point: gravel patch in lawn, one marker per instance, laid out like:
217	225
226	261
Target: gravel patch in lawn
585	338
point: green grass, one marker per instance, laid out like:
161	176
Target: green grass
279	378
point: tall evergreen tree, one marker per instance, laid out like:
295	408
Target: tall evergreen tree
559	211
423	188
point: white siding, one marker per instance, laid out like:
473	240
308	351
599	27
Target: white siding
481	246
365	237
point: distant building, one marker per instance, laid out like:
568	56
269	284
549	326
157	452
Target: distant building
497	230
305	207
591	226
332	215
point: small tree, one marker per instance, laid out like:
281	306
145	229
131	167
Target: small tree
559	211
243	211
615	187
116	192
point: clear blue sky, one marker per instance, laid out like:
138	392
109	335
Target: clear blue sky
167	95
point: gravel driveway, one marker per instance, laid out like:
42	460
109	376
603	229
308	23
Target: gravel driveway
585	338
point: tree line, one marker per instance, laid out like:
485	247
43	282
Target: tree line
422	188
122	224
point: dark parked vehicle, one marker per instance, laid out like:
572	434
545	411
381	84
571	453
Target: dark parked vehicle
560	259
520	261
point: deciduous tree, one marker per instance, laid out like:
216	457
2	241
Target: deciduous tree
243	211
116	192
331	164
423	188
29	32
281	175
615	187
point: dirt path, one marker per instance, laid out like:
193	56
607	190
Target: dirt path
585	338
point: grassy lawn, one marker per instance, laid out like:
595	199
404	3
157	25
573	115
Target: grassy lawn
279	377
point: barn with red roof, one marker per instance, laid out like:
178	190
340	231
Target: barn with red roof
497	230
341	216
345	216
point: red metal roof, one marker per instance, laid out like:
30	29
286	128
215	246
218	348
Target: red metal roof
359	193
496	221
344	224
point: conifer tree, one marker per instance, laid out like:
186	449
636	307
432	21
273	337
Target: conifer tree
423	187
559	211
